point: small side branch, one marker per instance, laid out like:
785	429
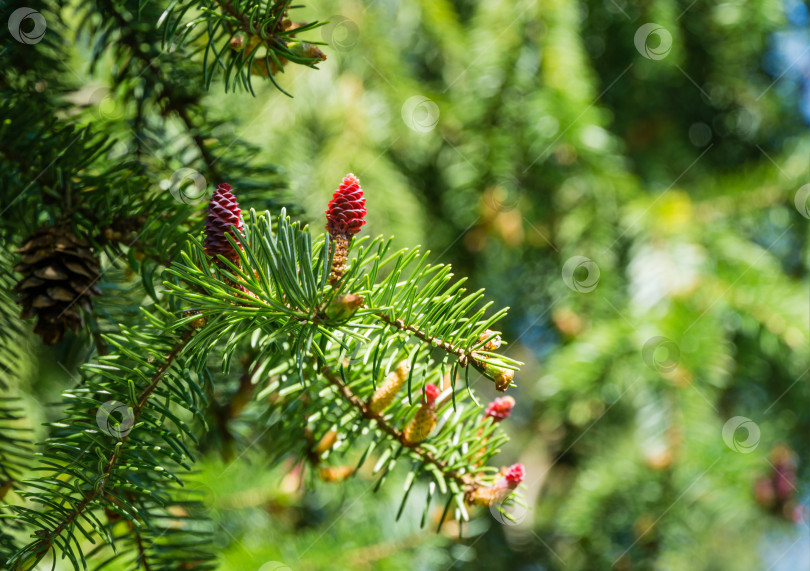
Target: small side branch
463	355
464	480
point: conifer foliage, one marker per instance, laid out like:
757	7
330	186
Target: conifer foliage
358	344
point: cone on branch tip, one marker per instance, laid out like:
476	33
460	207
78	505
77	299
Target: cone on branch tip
500	375
500	408
59	275
387	392
420	427
197	323
508	479
224	215
264	63
345	216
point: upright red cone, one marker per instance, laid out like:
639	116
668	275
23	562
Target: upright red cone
347	209
344	218
497	410
500	408
224	215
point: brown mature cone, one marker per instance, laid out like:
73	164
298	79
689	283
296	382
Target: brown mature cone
59	274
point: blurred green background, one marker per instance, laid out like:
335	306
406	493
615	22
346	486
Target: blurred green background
511	138
632	179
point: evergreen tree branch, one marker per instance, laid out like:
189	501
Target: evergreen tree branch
464	480
400	324
130	474
231	36
278	289
208	159
48	537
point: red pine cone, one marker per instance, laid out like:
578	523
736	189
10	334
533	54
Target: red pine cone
347	209
514	475
223	214
500	408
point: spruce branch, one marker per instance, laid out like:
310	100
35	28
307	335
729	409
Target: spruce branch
48	537
209	160
130	475
16	450
272	284
170	96
241	39
398	323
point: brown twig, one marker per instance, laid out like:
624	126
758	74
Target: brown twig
464	480
463	355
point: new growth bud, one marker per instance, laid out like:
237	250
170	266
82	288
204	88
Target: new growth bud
503	380
306	50
501	375
197	323
237	42
492	343
342	307
387	392
425	420
509	479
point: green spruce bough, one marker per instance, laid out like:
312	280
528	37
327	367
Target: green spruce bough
356	343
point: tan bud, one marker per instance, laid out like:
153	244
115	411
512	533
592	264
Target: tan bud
305	50
501	375
335	473
387	392
237	42
343	306
503	380
326	442
493	344
198	323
